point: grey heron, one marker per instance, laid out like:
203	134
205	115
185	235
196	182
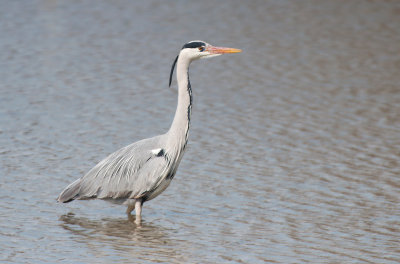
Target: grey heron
141	171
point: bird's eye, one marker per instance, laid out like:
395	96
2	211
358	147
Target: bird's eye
201	49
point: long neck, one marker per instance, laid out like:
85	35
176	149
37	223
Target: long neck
178	133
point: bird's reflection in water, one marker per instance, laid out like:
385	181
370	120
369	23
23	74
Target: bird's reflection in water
123	237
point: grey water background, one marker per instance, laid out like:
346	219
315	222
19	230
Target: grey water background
294	148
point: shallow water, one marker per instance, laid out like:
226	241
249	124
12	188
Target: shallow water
294	148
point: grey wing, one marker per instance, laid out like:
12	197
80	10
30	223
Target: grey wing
127	173
150	177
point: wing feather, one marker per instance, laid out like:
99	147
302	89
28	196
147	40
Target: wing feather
128	172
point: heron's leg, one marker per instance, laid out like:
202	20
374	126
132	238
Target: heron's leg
138	210
131	206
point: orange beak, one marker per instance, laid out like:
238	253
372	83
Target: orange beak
222	50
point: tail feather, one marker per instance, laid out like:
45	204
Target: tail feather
70	193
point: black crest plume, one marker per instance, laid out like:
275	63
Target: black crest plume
172	70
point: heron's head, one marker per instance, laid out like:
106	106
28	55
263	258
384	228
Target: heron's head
197	49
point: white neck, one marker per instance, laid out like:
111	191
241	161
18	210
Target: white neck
178	133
